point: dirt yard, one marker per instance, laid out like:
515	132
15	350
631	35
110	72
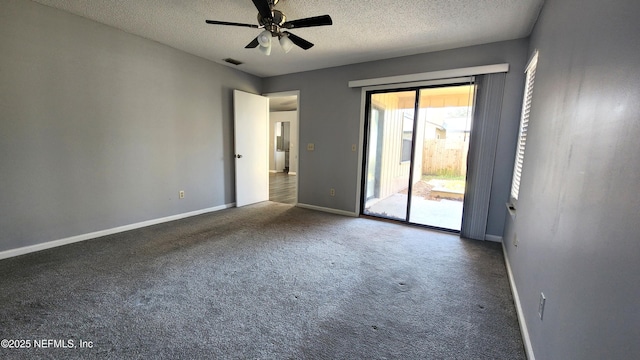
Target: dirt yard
423	188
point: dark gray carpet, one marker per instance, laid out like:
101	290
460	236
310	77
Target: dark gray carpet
267	281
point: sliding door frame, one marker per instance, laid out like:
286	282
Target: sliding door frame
364	113
367	94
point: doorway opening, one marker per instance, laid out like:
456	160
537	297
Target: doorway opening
416	148
283	147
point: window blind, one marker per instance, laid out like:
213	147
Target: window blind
524	125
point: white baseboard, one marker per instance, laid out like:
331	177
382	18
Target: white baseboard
516	298
273	171
494	238
292	173
50	244
328	210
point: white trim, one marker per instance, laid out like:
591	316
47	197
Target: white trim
73	239
293	173
494	238
328	210
282	93
516	299
432	75
421	84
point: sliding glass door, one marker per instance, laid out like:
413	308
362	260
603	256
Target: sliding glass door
417	144
389	153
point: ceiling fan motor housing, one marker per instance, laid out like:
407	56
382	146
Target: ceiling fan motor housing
273	24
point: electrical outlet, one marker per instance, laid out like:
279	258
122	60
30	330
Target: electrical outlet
541	306
332	192
181	194
311	146
354	147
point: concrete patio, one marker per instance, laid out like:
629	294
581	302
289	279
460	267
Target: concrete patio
439	213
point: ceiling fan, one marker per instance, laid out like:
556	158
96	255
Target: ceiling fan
273	22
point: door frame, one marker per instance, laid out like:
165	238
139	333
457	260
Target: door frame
363	117
297	146
366	94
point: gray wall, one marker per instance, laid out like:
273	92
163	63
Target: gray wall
100	128
330	118
577	221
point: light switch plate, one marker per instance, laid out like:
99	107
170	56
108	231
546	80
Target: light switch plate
541	306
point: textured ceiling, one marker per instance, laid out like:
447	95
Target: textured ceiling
363	30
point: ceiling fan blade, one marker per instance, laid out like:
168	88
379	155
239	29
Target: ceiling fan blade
214	22
263	8
253	44
308	22
299	41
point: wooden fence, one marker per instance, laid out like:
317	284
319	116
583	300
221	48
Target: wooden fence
444	157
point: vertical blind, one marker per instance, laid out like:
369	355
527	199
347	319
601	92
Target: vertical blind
482	154
524	125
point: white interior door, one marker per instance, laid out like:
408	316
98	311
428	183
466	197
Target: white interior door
251	121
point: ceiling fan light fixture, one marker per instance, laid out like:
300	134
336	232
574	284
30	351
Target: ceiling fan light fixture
286	43
265	49
264	39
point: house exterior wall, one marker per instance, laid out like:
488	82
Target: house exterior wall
394	174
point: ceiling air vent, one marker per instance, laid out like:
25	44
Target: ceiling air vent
233	61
